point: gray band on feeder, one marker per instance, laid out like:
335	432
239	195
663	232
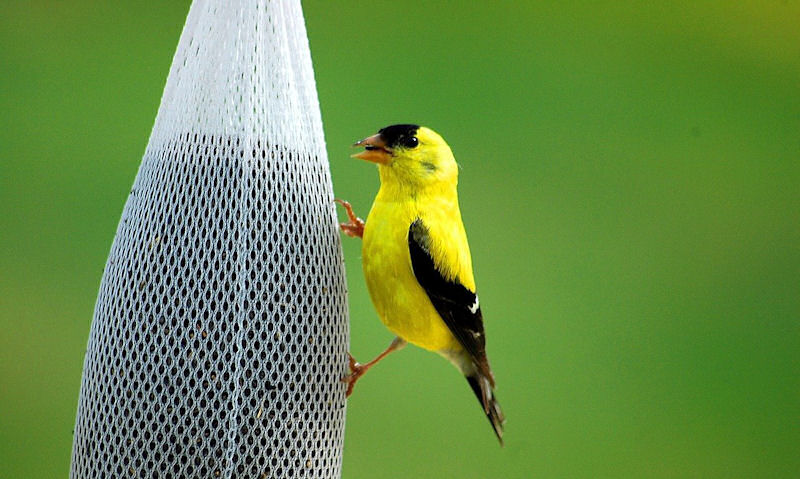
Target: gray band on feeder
220	332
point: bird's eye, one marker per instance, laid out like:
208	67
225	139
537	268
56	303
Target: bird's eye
410	141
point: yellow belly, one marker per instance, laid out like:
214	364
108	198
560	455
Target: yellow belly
400	301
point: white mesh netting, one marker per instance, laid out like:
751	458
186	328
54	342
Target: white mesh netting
220	331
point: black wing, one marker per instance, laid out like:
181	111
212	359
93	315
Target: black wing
458	306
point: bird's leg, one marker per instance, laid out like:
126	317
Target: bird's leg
357	370
355	227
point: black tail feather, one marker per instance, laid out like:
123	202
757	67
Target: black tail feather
483	391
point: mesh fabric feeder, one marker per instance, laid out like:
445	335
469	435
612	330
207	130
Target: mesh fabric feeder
220	332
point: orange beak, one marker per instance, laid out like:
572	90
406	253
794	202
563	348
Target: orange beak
375	150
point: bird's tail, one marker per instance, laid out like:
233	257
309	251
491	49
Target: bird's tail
482	387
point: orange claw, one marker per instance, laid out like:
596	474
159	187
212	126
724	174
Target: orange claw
357	370
353	228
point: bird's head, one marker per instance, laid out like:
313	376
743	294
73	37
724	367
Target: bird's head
410	155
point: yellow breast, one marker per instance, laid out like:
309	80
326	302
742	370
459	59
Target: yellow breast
400	301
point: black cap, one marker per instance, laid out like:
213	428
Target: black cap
397	135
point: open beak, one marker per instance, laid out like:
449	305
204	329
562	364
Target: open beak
375	150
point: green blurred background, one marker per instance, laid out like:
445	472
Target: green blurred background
630	186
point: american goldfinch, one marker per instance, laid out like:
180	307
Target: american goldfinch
416	259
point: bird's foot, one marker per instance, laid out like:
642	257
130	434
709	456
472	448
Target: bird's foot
353	228
356	371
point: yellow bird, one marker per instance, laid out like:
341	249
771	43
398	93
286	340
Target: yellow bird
416	258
